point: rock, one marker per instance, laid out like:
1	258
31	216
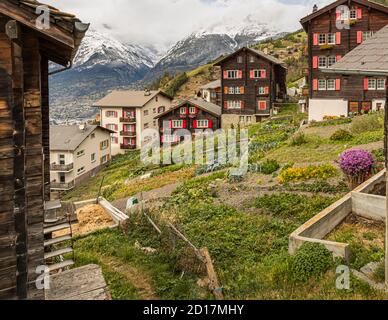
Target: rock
370	269
145	249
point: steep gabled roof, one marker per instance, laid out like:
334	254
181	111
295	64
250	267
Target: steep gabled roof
69	138
65	30
257	53
200	103
334	5
370	57
128	99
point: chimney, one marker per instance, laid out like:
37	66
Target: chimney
315	8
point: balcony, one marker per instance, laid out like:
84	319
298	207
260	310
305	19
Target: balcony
62	186
62	167
127	134
127	147
128	120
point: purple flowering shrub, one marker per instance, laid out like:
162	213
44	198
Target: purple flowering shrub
357	165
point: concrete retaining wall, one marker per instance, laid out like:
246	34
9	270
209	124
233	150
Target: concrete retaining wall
369	206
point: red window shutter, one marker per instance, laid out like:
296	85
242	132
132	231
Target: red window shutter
315	84
338	38
242	90
315	62
338	58
195	124
116	127
266	90
262	105
240	74
170	125
359	37
225	104
225	74
366	84
162	138
187	110
264	74
184	126
338	84
196	110
338	15
226	90
359	13
252	74
242	104
210	124
315	39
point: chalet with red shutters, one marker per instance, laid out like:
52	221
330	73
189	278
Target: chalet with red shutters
333	31
194	115
252	83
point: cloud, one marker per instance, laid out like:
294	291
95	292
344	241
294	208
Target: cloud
163	22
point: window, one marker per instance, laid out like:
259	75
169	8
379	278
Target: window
154	123
261	90
111	126
331	84
366	35
111	114
322	62
262	105
259	73
232	74
161	109
239	59
321	84
380	84
331	60
146	125
202	123
115	140
81	170
353	14
371	84
242	119
80	153
92	136
322	39
249	119
177	124
93	158
234	104
62	160
156	98
183	110
231	90
154	110
146	112
331	38
192	110
251	59
104	145
104	159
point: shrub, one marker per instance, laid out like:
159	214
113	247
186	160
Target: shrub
299	139
330	122
322	172
341	135
269	167
379	155
371	122
357	165
311	260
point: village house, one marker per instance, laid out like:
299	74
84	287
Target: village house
194	115
328	41
26	50
128	113
252	83
211	92
77	153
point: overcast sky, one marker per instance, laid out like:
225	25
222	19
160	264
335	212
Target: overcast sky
163	22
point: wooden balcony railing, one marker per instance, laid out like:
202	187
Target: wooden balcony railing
62	167
62	186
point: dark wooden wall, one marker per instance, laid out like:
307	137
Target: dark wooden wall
21	160
351	88
251	97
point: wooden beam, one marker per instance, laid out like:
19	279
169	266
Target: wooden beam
28	19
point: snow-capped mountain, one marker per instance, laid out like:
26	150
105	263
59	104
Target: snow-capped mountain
102	63
209	43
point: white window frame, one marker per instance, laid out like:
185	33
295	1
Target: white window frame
183	111
111	126
240	59
251	58
80	153
202	124
353	14
261	90
331	38
110	114
192	110
320	82
372	83
330	85
322	62
237	90
234	104
258	72
367	35
380	84
322	38
177	124
232	74
93	158
231	90
331	60
80	171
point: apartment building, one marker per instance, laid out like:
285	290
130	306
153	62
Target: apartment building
76	153
252	83
333	31
128	113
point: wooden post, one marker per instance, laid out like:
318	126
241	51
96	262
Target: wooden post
214	284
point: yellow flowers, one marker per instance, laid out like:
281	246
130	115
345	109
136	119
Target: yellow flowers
322	172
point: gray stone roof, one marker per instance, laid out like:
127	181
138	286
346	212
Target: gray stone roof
212	85
70	137
370	57
200	103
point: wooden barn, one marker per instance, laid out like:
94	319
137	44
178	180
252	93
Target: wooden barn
25	52
332	33
252	83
